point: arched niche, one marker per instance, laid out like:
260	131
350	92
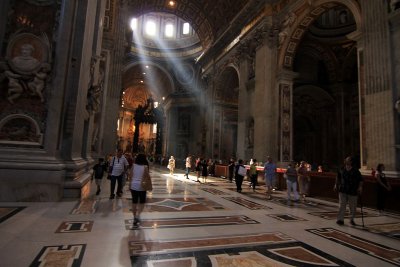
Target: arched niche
226	113
20	130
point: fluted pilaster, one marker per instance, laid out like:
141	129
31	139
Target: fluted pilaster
377	105
376	42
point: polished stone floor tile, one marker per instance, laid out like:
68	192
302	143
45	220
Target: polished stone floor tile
186	223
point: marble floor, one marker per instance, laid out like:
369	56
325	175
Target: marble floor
190	224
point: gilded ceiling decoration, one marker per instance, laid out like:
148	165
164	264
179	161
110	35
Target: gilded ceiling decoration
135	96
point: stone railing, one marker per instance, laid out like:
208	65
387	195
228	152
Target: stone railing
322	183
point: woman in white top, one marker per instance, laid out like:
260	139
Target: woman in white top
139	170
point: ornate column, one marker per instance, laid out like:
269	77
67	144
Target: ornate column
377	101
284	84
245	54
209	111
266	93
114	45
83	91
171	127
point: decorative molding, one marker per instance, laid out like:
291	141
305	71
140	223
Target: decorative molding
285	122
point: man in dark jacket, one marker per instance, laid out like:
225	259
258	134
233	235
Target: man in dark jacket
349	183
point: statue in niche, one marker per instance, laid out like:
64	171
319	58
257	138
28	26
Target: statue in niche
286	24
94	91
343	17
93	99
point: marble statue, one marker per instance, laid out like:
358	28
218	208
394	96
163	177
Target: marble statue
15	88
25	61
39	80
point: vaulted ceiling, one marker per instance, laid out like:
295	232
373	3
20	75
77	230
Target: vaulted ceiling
209	18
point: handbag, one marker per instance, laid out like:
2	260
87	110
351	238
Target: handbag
146	184
110	169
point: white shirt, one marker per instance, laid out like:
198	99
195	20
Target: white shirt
137	176
188	163
118	165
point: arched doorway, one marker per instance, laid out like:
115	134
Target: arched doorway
226	114
326	118
141	122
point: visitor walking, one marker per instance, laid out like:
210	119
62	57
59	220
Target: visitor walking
349	183
269	173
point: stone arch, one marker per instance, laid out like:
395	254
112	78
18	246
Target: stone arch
317	51
226	111
290	45
167	74
312	121
227	76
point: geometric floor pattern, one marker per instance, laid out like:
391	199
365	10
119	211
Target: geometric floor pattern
55	256
75	227
191	222
391	230
279	254
186	223
368	247
8	212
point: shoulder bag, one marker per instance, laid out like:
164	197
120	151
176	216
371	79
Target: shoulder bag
147	185
110	170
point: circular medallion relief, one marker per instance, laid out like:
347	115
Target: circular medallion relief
26	52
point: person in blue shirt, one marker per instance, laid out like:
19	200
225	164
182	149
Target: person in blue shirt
269	174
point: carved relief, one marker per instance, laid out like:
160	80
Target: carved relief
20	129
109	16
285	122
27	66
288	21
